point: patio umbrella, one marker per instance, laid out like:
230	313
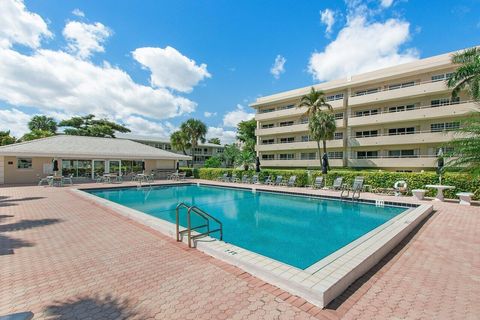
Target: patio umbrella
325	165
440	164
143	166
257	164
178	166
55	166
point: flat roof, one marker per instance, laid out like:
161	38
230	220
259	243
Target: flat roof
137	137
402	70
68	146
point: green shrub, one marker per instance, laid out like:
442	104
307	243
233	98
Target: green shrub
376	179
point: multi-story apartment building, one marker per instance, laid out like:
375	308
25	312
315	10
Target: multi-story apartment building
395	118
200	154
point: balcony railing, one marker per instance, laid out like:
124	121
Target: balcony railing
386	134
391	87
416	108
395	157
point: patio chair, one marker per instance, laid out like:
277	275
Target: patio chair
68	179
43	180
254	179
223	178
245	178
400	188
318	183
355	189
268	180
278	181
99	178
290	182
337	183
234	178
182	176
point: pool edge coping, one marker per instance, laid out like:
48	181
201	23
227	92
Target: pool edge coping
318	287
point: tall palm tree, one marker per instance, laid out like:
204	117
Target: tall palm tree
42	123
466	149
195	131
179	141
467	75
315	102
322	127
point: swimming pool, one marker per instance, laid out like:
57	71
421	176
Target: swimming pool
293	229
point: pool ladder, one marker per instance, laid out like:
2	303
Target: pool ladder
200	213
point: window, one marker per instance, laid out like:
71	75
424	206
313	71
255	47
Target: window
266	110
367	154
308	156
267	126
407	107
367	91
444	102
268	141
24	163
338	135
339	116
401	153
303	120
446	126
290	106
440	77
305	138
219	150
445	150
199	150
365	113
399	131
338	96
286	123
168	147
335	154
286	156
268	156
80	168
401	85
287	140
366	134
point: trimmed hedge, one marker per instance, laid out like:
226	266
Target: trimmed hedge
376	179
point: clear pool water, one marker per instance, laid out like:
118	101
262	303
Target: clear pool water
296	230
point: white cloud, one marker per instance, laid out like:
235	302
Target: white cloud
79	13
14	120
327	17
363	46
225	136
18	25
170	68
142	126
85	39
278	66
386	3
209	114
232	118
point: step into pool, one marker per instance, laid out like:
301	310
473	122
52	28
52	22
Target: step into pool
297	230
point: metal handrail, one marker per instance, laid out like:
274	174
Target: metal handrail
200	213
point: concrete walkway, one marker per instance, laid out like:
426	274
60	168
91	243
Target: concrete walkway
63	257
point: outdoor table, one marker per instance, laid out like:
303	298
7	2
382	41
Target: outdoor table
58	180
108	177
440	188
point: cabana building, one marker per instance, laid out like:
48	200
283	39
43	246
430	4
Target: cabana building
83	157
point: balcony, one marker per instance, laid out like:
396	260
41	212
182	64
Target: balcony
298	145
417	90
426	112
296	128
285	113
299	163
390	162
418	137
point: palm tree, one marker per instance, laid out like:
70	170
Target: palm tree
36	134
194	130
42	123
245	159
466	154
467	75
315	102
322	127
179	141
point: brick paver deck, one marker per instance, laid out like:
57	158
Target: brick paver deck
73	259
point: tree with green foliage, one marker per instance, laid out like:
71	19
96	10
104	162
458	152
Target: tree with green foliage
179	141
42	123
88	126
6	138
321	121
467	75
230	154
36	134
322	128
195	131
213	162
245	158
246	134
214	141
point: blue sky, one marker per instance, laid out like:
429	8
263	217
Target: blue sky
153	64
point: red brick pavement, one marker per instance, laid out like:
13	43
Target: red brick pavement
76	260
